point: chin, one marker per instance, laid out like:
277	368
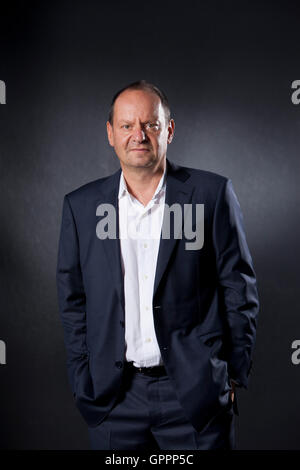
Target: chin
142	161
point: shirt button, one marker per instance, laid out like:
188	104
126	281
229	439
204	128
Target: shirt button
119	364
148	340
145	245
146	277
147	308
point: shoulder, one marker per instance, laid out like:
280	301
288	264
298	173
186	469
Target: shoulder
93	189
209	177
204	179
86	189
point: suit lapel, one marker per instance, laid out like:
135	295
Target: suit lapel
177	191
111	246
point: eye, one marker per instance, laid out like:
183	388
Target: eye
152	125
125	126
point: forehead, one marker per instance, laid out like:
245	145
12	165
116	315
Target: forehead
138	103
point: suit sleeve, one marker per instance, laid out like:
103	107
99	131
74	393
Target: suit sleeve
237	283
71	295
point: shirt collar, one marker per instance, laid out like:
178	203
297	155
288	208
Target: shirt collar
160	187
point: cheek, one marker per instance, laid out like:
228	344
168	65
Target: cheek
157	141
161	141
121	142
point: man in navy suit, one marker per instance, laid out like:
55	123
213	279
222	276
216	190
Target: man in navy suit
158	331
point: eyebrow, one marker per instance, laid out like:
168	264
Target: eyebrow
143	122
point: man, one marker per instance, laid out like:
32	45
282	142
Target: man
157	333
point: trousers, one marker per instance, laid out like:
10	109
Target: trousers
148	416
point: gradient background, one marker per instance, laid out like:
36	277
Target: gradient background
227	69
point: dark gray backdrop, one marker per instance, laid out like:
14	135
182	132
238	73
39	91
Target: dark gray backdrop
227	68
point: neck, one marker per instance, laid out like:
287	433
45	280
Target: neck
142	182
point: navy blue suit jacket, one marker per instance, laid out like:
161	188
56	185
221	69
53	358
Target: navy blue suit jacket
205	301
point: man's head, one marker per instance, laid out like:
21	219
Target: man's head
139	125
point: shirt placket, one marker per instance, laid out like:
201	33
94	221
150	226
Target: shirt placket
145	269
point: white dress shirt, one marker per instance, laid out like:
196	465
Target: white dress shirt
139	232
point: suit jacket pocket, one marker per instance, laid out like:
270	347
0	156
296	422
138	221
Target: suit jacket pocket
82	368
214	341
210	337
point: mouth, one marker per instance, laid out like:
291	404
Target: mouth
140	150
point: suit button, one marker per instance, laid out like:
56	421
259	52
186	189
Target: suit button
165	348
157	306
122	323
119	364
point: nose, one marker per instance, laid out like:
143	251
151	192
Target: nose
138	135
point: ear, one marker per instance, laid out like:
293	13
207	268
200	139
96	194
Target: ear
110	134
171	130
